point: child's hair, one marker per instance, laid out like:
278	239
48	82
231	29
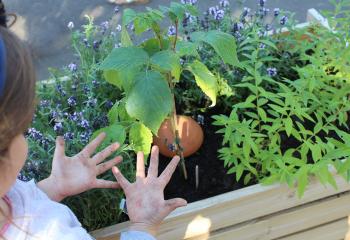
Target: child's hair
17	101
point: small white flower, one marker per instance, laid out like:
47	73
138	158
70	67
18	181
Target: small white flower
119	28
70	25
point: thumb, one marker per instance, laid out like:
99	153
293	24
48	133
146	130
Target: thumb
174	203
59	150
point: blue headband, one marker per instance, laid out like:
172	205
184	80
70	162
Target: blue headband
2	66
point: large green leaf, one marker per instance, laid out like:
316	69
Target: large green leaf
121	79
224	44
185	48
128	16
114	133
150	100
141	138
205	80
125	38
125	58
167	61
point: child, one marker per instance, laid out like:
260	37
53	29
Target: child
32	211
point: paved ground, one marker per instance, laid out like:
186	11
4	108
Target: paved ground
43	23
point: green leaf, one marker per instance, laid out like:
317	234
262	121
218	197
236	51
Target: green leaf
141	138
239	171
128	16
288	124
151	46
302	177
125	38
262	114
167	61
205	80
125	58
150	100
224	44
114	133
113	114
121	79
184	48
316	152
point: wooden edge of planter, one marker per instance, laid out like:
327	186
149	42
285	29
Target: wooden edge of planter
229	209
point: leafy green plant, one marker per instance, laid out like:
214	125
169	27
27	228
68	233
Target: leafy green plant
287	130
149	72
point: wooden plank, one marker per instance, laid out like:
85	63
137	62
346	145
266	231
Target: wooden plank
332	231
232	208
287	222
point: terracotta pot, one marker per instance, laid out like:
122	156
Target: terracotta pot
191	136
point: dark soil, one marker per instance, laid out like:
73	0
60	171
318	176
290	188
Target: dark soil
213	179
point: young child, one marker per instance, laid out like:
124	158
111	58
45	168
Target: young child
32	210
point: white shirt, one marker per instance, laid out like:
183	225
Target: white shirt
36	217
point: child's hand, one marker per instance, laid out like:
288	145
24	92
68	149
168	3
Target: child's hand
145	198
77	174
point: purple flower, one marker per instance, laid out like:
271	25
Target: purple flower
212	10
68	136
72	101
119	28
245	12
224	3
219	14
86	89
191	2
35	134
237	27
172	31
276	12
44	103
58	127
85	137
84	123
104	26
96	44
116	10
60	90
91	102
262	3
262	46
95	83
109	104
75	116
86	42
271	72
72	67
171	147
268	27
283	20
200	119
54	114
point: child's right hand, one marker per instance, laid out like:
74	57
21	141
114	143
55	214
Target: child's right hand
145	198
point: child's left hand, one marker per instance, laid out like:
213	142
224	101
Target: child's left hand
77	174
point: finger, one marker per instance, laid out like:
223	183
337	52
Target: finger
59	150
105	153
91	147
101	183
172	204
140	165
169	170
153	168
103	167
123	182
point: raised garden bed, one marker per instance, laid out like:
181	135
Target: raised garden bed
254	212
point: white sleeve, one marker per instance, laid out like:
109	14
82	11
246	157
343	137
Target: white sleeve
136	235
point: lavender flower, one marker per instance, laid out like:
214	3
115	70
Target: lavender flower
72	67
86	89
72	101
116	10
245	12
60	90
200	119
70	25
86	42
271	72
54	114
35	134
84	123
104	26
237	27
96	44
276	12
95	83
219	15
119	28
58	127
283	20
85	137
75	116
268	27
172	31
262	3
91	102
109	104
191	2
68	136
44	103
262	46
212	10
224	3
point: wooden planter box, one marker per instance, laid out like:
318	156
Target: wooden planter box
259	212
